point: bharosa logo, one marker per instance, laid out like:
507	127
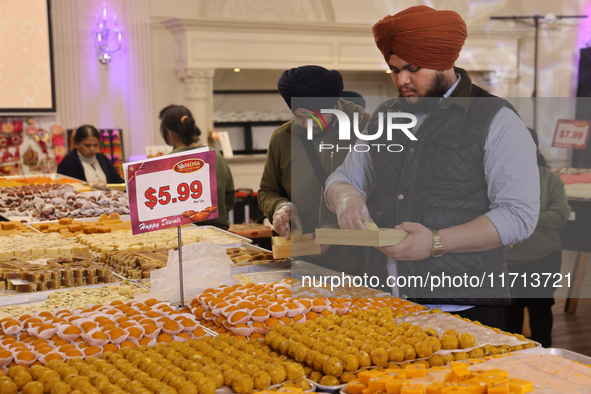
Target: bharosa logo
189	165
392	119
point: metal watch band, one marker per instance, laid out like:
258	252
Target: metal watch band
437	250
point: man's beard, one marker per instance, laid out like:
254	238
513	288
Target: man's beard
431	99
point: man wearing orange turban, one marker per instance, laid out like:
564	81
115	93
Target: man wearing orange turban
465	187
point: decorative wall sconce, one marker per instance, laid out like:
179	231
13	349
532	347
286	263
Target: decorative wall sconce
107	36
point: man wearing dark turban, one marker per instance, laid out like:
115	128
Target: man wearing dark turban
466	187
315	88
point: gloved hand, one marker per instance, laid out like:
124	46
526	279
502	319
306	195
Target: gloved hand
349	206
98	185
285	219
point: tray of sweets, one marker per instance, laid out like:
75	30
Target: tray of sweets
253	258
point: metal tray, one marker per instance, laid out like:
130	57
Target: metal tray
564	353
264	277
260	266
124	218
54	176
239	238
38	296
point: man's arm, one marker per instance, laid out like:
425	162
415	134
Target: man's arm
346	190
513	180
272	192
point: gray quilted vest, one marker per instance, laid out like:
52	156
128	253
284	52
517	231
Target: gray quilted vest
439	181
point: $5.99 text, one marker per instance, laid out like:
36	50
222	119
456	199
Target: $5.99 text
184	191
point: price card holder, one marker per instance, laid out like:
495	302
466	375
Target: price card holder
170	191
571	133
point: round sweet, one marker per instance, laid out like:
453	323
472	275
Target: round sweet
435	343
452	332
277	373
423	349
329	380
449	341
206	386
476	353
466	341
33	388
8	387
242	384
409	352
364	359
350	363
332	366
379	357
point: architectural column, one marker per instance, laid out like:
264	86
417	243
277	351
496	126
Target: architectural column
66	52
502	82
199	91
140	105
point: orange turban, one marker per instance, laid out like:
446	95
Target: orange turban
422	36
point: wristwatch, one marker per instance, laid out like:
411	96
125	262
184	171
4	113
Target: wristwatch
438	249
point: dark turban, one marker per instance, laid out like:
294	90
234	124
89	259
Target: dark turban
422	36
322	88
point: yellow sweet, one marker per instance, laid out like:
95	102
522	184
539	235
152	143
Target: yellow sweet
456	390
395	385
371	226
409	388
451	377
461	370
365	376
415	371
396	373
435	388
498	388
478	384
355	387
496	373
379	383
520	386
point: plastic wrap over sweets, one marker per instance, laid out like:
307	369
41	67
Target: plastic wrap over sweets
205	264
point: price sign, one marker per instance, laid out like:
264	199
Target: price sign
571	133
172	190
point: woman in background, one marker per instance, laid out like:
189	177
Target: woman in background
86	163
540	253
179	130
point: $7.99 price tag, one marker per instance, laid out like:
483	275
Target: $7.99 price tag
172	190
571	133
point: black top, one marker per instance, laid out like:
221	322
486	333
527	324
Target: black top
72	166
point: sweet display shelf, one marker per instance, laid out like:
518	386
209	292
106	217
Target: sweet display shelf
24	299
